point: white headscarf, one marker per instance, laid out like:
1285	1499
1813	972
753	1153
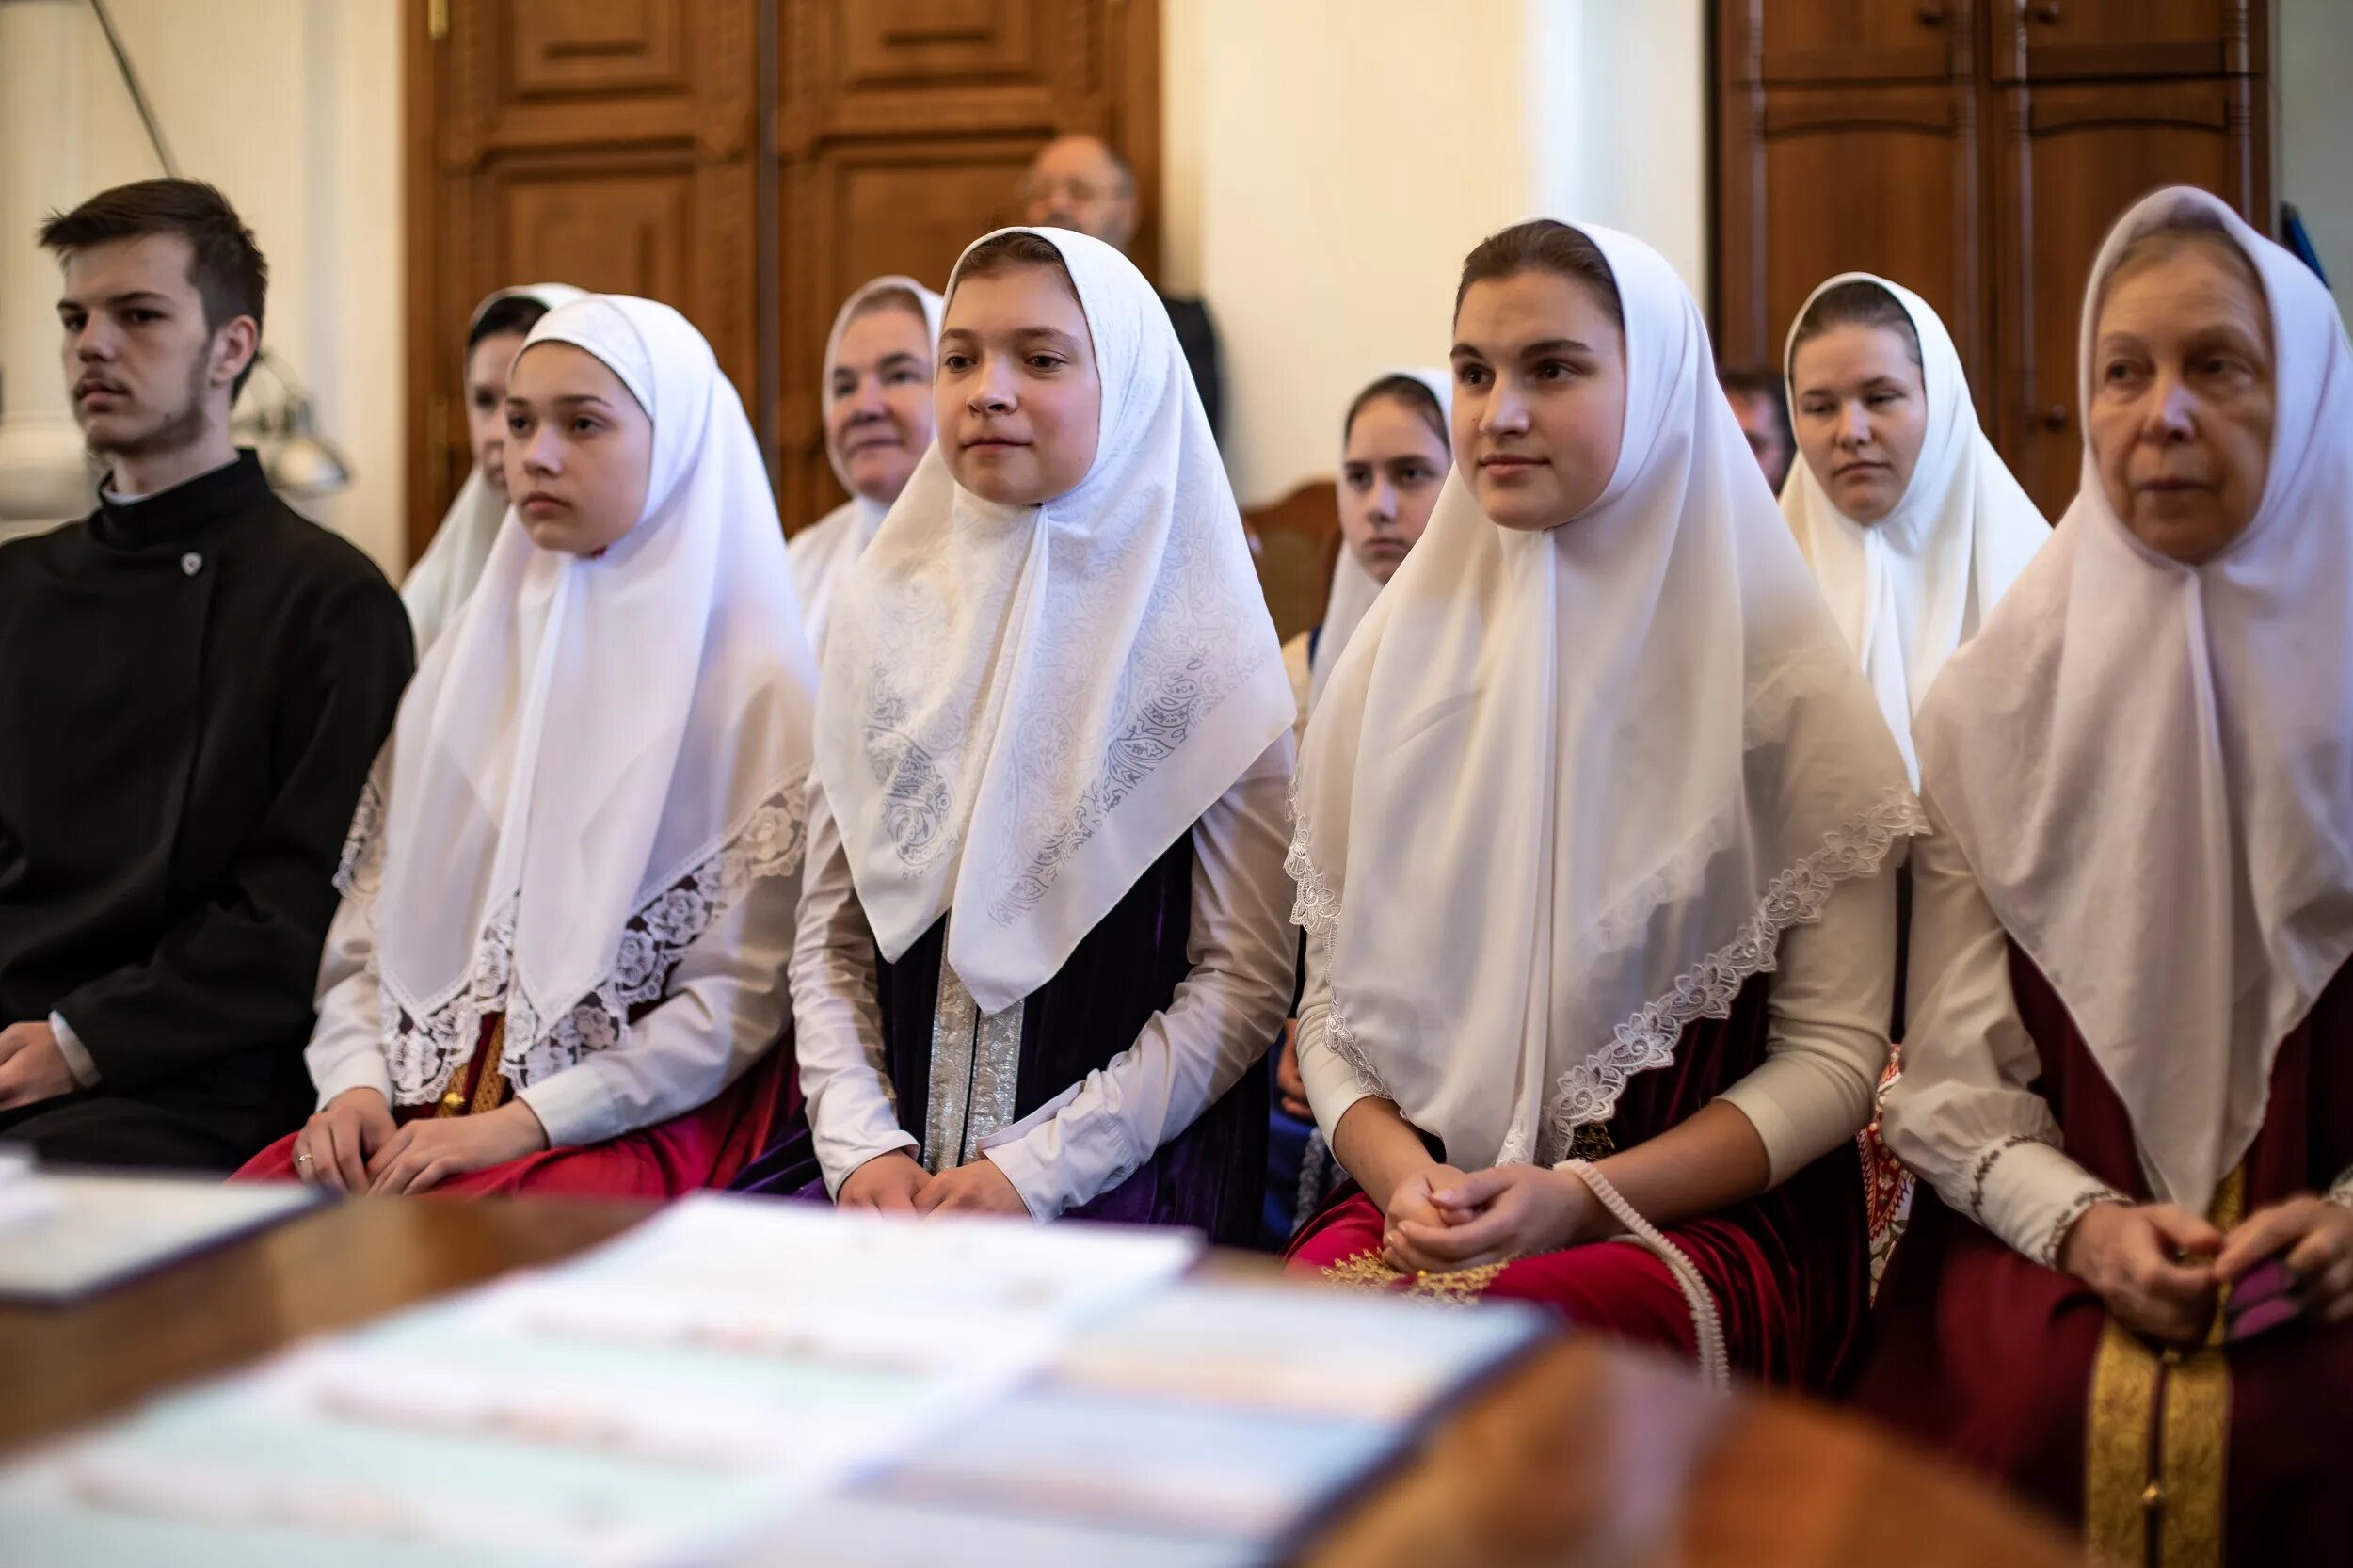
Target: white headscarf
1570	787
445	573
1909	588
823	551
602	753
1024	707
1354	588
2146	762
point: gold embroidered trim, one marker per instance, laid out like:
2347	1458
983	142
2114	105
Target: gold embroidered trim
2156	1437
490	1086
1370	1271
2116	1428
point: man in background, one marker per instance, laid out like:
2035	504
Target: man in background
1077	182
1761	403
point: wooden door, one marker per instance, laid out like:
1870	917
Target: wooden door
748	161
1846	40
604	143
1816	181
2073	157
901	130
2062	39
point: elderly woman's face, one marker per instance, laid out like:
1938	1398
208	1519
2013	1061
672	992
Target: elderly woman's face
2181	396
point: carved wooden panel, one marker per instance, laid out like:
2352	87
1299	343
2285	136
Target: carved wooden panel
617	227
573	47
1771	41
2056	39
616	144
1882	179
2071	159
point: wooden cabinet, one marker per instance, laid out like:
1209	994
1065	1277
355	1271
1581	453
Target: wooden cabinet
1830	41
2068	40
748	161
2070	157
1884	179
1986	189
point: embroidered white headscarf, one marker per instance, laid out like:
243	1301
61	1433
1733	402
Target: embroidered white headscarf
1909	588
602	753
823	551
2150	764
1354	588
446	572
1567	788
1024	707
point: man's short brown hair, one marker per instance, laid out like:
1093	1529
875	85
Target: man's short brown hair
226	267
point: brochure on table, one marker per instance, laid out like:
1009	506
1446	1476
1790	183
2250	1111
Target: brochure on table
743	1380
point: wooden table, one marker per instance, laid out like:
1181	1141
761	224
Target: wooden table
1585	1453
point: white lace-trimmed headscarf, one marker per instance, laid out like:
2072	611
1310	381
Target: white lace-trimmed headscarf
446	572
602	753
1024	707
1909	588
823	551
2178	860
1567	788
1354	588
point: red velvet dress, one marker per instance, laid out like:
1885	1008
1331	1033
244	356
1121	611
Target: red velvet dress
2241	1452
704	1148
1789	1270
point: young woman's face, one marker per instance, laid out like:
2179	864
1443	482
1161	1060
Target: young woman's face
579	450
1538	398
2181	401
489	364
1390	474
1862	415
879	419
1020	399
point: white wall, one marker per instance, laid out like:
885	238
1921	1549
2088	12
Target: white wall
1328	163
291	106
2314	40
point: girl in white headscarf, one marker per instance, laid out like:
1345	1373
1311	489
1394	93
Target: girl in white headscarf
878	425
1910	520
569	890
1592	829
445	574
1052	743
2129	1061
1393	460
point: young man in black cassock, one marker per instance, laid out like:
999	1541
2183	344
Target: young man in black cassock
193	681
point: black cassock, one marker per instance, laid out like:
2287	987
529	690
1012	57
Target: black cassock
192	690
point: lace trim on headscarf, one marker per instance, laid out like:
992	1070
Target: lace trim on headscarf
424	1049
359	869
1588	1092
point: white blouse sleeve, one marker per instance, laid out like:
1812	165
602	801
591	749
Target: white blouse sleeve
1962	1114
725	1008
1225	1015
1331	1083
1833	991
853	1115
346	1050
